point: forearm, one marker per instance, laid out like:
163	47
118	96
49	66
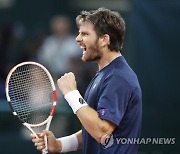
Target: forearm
95	126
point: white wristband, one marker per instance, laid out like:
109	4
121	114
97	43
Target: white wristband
75	100
69	143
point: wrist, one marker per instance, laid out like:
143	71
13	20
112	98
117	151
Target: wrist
58	146
68	143
75	100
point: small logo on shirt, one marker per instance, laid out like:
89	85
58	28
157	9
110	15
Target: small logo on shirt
81	100
94	86
102	112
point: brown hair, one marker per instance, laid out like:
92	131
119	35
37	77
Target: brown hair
108	22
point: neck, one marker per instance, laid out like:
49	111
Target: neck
107	59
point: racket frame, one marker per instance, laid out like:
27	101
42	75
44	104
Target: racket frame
48	120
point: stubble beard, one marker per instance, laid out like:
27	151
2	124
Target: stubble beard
93	53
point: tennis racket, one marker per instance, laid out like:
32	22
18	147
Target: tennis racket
31	95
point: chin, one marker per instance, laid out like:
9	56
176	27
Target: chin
84	59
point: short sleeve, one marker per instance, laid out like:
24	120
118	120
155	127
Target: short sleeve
113	98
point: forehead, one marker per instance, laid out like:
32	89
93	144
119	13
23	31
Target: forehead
86	26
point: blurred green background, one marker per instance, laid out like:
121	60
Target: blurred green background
152	47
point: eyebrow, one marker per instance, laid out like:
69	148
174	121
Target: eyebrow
83	31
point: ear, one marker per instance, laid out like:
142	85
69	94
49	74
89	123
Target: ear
105	40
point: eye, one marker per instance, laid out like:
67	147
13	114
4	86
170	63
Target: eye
84	34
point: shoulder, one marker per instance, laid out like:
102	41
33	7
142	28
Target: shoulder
121	74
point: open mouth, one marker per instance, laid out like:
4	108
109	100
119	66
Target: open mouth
84	49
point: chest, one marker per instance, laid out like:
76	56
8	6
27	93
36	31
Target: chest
93	91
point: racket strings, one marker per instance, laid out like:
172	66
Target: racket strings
31	93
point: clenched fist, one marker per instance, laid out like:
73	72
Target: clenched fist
67	83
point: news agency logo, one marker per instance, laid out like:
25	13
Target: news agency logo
109	141
158	141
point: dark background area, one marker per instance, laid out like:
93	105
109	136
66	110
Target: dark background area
151	48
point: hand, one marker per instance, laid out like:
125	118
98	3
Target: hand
54	145
67	83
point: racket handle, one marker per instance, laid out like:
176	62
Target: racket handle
45	150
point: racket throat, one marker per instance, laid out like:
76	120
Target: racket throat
30	129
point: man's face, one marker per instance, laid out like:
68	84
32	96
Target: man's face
88	41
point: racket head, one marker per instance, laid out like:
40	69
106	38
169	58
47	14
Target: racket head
31	93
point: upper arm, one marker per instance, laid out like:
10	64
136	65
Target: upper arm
113	99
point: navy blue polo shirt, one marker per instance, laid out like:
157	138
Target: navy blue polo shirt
115	94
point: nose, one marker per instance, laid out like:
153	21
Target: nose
78	38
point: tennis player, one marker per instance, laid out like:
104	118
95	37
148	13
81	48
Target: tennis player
112	106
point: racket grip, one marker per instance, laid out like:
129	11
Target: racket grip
45	150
